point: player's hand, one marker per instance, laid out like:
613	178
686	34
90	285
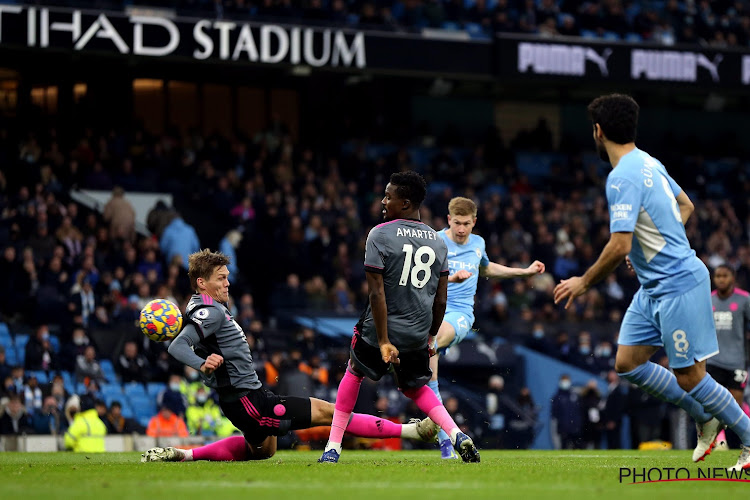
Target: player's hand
536	267
630	265
213	361
460	276
569	289
389	353
432	345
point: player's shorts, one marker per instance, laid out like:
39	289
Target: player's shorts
461	323
260	413
411	373
731	379
684	325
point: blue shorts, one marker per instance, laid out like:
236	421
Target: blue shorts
684	325
461	323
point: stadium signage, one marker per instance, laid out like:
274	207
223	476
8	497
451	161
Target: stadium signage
576	60
558	59
159	36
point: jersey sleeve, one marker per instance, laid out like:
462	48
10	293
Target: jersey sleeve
746	313
442	254
207	321
676	189
484	261
624	200
374	253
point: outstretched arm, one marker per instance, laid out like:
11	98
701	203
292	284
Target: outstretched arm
686	207
182	350
494	270
614	252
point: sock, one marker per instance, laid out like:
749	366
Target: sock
346	398
428	403
369	426
188	455
720	403
228	449
433	384
661	383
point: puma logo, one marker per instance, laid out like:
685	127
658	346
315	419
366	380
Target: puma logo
599	60
711	66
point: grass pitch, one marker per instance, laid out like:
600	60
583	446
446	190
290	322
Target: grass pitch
363	475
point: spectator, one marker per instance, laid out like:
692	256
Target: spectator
117	424
614	409
132	365
88	368
179	239
166	424
49	419
173	396
75	347
591	405
4	367
15	420
86	432
32	394
565	414
39	352
120	214
204	417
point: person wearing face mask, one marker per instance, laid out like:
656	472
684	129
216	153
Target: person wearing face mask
538	340
204	417
603	359
49	419
583	357
190	383
39	352
173	397
74	348
565	413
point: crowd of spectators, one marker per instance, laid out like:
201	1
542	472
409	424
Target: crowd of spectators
296	219
715	23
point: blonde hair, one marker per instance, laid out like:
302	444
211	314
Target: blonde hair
203	264
462	206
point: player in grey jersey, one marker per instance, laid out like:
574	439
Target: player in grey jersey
731	306
407	274
213	343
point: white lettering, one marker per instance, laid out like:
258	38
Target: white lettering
746	70
295	53
224	29
245	43
347	54
203	39
309	48
74	27
102	28
723	320
265	44
140	49
670	65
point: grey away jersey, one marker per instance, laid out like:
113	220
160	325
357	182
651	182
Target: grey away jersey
220	334
732	316
411	257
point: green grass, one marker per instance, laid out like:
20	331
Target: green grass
362	475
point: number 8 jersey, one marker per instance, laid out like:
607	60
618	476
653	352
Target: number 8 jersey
411	257
642	200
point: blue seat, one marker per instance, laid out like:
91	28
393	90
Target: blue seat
21	341
81	388
451	25
41	376
143	420
54	340
108	369
111	389
143	404
10	356
134	389
154	388
4	331
127	411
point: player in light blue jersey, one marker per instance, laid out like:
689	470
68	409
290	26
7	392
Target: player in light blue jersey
672	308
467	261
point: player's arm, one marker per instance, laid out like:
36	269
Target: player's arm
379	309
182	346
616	249
494	270
686	207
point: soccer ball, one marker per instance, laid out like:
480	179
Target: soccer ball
160	320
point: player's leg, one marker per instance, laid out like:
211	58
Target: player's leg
364	361
370	426
639	339
446	335
689	335
411	375
734	381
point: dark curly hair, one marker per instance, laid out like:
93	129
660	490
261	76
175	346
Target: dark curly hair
617	115
409	186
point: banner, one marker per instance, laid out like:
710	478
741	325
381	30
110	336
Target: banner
598	61
117	33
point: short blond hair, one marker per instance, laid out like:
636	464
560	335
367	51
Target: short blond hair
462	206
203	264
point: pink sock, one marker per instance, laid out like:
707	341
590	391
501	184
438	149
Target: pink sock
346	398
231	449
746	408
369	426
429	403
